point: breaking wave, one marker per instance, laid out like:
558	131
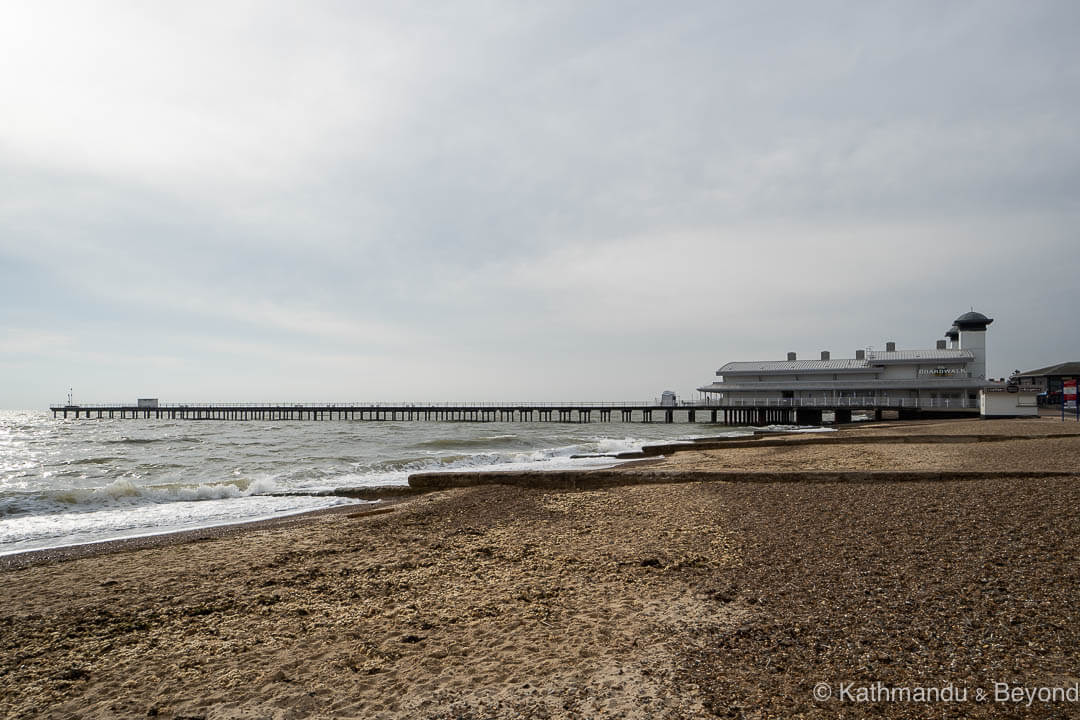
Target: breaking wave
483	441
125	493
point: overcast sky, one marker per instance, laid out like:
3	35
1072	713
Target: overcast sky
347	201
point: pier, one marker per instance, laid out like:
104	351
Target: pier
734	413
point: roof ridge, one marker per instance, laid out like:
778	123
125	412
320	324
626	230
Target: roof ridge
1046	370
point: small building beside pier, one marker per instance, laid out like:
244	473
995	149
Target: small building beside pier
1048	381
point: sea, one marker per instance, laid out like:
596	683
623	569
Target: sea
67	482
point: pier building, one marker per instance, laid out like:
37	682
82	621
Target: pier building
946	376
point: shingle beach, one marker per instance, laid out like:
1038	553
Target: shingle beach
711	598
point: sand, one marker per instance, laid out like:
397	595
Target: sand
991	446
682	600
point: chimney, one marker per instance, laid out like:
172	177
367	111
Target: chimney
824	354
940	344
890	346
791	357
860	354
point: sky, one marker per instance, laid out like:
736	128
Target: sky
420	201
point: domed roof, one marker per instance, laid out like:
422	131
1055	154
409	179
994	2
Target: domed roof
952	333
972	321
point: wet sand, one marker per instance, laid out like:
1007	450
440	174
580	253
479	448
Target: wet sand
681	600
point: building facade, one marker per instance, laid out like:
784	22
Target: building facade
948	375
1048	381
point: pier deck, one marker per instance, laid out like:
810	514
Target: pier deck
783	412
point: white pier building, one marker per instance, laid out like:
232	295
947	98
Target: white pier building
947	376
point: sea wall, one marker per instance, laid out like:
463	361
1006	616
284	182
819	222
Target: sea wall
788	441
594	479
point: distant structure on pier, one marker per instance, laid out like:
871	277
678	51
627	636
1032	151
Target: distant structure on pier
949	375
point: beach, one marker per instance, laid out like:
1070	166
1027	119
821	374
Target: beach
656	596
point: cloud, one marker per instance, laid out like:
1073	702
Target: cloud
32	341
497	195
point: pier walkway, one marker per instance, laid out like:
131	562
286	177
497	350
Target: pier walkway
739	413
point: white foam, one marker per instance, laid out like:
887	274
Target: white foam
31	532
796	429
124	494
541	459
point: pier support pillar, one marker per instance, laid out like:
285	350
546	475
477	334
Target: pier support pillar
842	416
807	416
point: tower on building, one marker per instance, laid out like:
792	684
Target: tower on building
971	328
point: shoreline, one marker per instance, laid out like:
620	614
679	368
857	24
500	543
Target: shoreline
64	553
385	495
633	470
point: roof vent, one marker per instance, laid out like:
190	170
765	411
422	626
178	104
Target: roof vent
940	344
860	354
824	354
791	357
890	346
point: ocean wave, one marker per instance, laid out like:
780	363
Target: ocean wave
466	460
30	532
618	445
413	462
125	493
483	441
95	460
151	441
796	429
396	471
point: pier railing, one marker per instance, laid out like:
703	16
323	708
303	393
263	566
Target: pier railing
824	403
365	405
853	402
731	411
